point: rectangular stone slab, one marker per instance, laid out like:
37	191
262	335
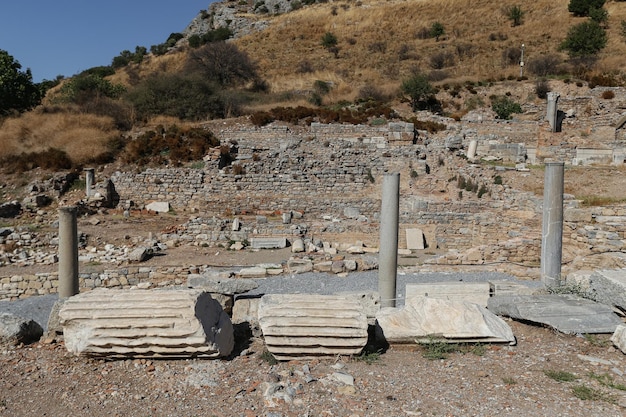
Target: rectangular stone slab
473	292
565	312
146	323
268	243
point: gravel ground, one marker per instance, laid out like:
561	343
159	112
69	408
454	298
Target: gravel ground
477	380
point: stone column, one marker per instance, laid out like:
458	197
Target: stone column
552	110
471	149
68	252
388	247
552	225
89	180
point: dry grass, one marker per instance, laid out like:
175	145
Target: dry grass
296	36
82	136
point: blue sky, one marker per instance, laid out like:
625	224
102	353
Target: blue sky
65	37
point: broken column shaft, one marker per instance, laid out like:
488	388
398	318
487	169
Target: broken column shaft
68	252
552	225
388	248
89	180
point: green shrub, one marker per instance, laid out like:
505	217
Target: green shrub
437	30
582	7
329	40
584	39
418	89
190	98
515	14
504	107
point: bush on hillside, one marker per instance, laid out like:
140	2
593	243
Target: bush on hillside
584	39
171	146
515	14
437	30
504	107
582	7
184	97
544	65
542	88
511	56
441	60
51	159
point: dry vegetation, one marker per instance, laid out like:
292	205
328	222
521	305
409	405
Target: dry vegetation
84	137
379	42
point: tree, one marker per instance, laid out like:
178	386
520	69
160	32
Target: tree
437	30
418	89
222	63
17	90
584	39
515	15
582	7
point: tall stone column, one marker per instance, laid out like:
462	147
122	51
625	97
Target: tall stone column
68	252
89	180
552	225
388	247
552	110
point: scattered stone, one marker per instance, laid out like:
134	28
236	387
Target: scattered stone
15	330
222	285
146	323
297	246
455	321
566	313
140	254
159	206
252	272
619	337
268	242
11	209
415	239
299	266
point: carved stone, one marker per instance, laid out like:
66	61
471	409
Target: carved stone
303	326
146	323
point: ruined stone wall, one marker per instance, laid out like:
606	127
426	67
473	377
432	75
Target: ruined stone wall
281	169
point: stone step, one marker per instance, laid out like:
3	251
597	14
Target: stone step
473	292
146	323
304	326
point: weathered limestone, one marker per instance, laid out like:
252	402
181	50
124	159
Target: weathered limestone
388	252
471	149
15	329
89	181
146	323
565	312
472	292
221	285
552	110
552	225
423	318
607	286
268	243
159	206
619	337
301	326
415	239
68	252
